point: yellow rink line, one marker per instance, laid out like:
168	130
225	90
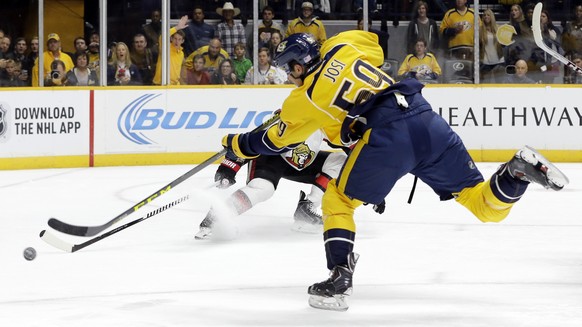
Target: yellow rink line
105	160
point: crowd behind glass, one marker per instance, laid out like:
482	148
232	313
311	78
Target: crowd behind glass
212	42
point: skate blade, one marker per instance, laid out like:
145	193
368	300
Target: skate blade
203	234
334	303
306	228
555	176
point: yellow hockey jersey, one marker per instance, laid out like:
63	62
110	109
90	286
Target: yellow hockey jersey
348	75
465	22
428	64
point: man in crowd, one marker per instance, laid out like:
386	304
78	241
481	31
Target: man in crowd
52	53
198	33
143	57
307	23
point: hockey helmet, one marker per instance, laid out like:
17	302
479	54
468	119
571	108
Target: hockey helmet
298	48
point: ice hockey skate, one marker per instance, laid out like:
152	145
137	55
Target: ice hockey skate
307	220
529	165
331	293
205	231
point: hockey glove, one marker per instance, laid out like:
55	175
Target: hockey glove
379	208
352	130
226	172
230	142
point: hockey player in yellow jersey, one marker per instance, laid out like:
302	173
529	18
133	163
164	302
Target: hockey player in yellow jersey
391	130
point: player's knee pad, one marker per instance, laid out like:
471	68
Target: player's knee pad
338	209
259	190
481	201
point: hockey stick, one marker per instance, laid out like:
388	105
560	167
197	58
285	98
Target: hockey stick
51	239
66	228
538	38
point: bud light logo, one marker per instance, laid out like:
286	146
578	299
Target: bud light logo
136	120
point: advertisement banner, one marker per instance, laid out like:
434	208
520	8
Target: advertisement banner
44	123
178	120
508	118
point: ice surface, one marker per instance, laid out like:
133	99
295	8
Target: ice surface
426	264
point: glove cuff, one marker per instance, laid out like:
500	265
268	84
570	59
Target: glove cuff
231	141
235	166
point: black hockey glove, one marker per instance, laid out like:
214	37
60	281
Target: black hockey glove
226	172
379	208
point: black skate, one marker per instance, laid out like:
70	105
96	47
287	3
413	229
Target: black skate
205	231
331	293
307	220
529	165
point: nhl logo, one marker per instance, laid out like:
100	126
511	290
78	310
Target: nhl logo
3	122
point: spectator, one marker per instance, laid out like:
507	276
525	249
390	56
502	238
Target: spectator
421	65
33	54
241	63
52	53
457	27
176	54
198	33
267	27
81	75
524	43
213	54
279	9
143	58
276	38
571	76
382	36
153	30
5	52
267	74
21	57
93	52
110	50
197	75
12	76
228	31
80	46
572	36
520	76
121	71
225	74
57	75
546	63
422	27
307	23
490	51
20	47
2	59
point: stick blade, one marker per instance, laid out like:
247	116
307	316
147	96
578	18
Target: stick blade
536	26
70	229
52	240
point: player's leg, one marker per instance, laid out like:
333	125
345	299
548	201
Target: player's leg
368	175
491	201
325	167
264	174
451	172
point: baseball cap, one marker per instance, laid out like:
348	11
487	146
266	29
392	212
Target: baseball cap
307	5
53	36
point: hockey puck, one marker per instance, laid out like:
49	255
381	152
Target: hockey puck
29	253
